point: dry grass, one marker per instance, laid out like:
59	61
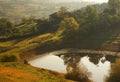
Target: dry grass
16	75
16	72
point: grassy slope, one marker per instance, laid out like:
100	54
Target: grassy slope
104	40
16	72
24	45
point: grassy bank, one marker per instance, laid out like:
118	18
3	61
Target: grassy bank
16	72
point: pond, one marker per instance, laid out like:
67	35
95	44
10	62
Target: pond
78	66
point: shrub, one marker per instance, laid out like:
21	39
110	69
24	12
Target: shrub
26	62
10	58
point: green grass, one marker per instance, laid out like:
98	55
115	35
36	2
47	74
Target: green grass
23	45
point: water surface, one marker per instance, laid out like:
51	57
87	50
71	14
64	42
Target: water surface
94	67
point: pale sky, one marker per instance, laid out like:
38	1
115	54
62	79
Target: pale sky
96	1
99	1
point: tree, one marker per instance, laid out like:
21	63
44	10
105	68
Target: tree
63	10
6	26
91	13
75	70
28	20
113	7
59	15
68	25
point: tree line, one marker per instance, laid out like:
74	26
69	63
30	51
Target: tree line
77	23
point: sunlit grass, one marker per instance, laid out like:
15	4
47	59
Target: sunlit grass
36	39
17	75
7	43
24	45
16	72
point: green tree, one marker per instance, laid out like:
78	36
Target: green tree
92	13
59	15
63	10
68	26
113	7
28	20
6	26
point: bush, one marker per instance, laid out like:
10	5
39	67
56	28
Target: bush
10	58
26	62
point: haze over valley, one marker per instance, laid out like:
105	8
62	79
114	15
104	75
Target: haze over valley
18	9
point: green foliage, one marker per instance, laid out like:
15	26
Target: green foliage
9	30
62	12
71	27
68	26
114	6
6	26
26	20
91	13
10	58
27	29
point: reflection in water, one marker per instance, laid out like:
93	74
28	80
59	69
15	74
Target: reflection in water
95	58
76	70
82	67
114	72
112	59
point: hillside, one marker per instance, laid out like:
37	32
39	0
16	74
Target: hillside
18	9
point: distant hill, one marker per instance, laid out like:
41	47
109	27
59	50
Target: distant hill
99	7
16	9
